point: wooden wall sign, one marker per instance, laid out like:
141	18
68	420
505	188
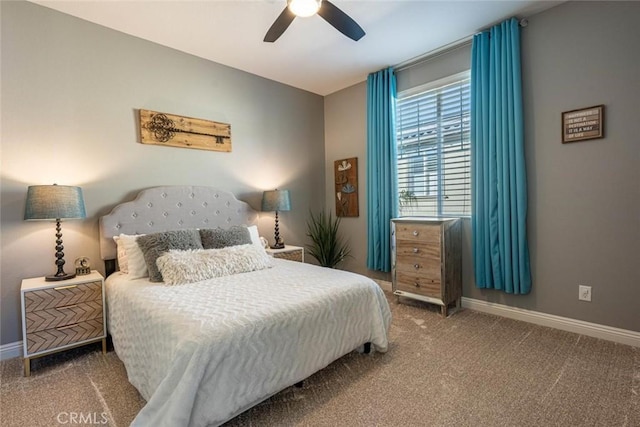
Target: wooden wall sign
346	179
583	124
177	131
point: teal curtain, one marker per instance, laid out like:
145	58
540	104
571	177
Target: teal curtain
382	174
499	185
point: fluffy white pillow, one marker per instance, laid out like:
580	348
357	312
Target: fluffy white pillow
135	265
179	267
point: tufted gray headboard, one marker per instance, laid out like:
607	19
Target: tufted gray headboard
172	208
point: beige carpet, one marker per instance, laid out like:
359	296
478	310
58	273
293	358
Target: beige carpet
471	369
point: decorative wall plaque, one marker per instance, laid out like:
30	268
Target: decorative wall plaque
178	131
583	124
346	186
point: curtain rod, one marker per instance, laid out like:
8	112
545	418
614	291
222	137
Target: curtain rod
433	54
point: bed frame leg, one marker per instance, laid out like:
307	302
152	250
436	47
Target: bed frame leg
299	385
367	348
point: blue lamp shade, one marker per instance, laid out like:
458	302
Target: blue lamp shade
54	202
276	200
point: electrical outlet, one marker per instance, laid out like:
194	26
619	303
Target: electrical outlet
584	293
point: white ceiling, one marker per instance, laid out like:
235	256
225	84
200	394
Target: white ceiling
311	54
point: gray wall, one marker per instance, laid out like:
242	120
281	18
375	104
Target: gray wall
584	197
69	94
345	122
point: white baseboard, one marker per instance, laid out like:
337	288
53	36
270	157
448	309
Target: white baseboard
11	350
622	336
595	330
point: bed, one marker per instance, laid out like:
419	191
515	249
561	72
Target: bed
202	352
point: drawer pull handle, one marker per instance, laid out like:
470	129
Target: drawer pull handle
65	287
416	250
415	233
62	328
417	284
416	266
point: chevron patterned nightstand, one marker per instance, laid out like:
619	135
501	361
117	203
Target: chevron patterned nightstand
60	315
292	253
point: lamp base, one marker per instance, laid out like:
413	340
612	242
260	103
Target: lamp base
279	243
55	277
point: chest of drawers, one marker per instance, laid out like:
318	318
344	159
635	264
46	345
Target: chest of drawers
61	315
426	260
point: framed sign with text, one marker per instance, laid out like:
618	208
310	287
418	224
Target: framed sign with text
583	124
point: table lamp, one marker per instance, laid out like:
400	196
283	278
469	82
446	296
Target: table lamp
55	202
276	200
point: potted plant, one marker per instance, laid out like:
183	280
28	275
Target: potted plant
327	246
407	198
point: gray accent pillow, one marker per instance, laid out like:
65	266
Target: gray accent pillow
156	244
217	238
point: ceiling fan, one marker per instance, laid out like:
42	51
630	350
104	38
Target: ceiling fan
303	8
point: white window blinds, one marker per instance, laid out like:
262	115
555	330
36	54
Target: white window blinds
434	176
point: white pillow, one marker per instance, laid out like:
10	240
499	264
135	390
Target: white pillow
136	266
179	267
123	264
255	236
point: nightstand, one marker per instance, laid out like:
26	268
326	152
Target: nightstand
292	253
60	315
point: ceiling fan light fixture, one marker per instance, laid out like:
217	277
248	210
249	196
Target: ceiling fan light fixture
327	11
304	8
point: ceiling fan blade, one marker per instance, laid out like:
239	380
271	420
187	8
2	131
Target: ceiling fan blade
340	20
279	26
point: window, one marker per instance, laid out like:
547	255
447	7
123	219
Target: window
434	165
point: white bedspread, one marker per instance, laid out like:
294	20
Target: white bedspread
202	353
